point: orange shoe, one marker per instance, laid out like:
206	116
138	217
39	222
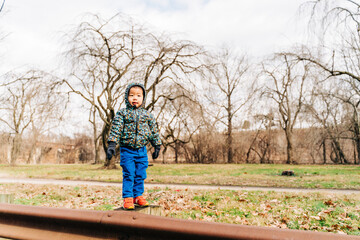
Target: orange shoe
140	201
128	203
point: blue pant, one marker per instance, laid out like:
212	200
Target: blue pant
134	163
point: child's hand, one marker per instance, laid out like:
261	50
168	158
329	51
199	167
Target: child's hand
155	154
111	150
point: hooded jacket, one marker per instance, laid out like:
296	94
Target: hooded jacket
134	127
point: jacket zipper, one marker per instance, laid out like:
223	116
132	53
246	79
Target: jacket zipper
137	126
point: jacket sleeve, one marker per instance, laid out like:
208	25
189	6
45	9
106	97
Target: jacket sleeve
116	128
155	135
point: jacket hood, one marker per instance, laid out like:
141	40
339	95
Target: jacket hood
128	105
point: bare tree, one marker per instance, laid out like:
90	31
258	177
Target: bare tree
180	126
348	96
101	59
207	146
48	106
108	54
261	142
15	107
285	86
169	72
354	122
229	91
24	103
340	58
327	110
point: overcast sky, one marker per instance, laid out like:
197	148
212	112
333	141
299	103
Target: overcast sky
258	27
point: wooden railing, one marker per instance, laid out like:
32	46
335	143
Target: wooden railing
28	222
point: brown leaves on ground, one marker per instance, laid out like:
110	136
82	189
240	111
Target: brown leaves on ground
310	211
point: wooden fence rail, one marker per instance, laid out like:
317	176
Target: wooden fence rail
28	222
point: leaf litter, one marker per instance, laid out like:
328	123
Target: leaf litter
305	211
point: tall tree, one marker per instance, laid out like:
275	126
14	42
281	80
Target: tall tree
29	100
108	54
285	80
328	111
102	56
180	126
340	57
49	107
229	90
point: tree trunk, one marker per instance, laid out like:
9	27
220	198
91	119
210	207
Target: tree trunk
324	150
354	153
289	147
31	153
95	141
264	159
251	146
339	152
357	141
248	154
97	152
97	146
164	154
15	149
229	148
229	140
33	147
176	151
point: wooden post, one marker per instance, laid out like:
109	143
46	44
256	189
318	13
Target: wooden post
151	210
6	198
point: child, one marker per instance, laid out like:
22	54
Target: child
133	127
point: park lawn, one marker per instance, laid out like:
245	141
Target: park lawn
266	175
328	212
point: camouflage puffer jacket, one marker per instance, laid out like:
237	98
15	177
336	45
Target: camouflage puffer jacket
134	127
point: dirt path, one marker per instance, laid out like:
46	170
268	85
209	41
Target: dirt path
176	186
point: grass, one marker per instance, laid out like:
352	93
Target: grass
305	211
306	176
327	212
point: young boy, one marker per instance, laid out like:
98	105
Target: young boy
133	127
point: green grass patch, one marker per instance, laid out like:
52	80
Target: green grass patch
105	207
36	200
267	175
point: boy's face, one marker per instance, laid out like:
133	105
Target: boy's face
136	96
